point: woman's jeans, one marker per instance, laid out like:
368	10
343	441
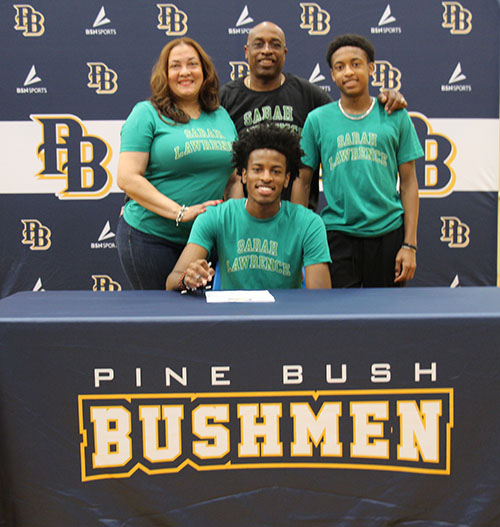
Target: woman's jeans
146	259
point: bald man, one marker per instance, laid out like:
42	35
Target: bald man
267	93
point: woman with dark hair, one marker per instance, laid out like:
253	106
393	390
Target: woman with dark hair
175	161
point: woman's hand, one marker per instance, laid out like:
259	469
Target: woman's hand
193	211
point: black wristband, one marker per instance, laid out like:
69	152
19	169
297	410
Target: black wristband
409	246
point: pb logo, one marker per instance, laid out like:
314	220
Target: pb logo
69	153
172	20
454	232
238	69
102	78
435	174
102	282
386	76
36	235
315	19
456	18
29	21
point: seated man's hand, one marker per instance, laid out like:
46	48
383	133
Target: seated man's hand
393	100
198	274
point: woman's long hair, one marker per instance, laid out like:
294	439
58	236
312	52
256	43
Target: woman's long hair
161	97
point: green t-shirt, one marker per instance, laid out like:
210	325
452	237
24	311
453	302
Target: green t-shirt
360	160
261	254
190	163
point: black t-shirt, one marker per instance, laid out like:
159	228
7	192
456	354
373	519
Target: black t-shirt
288	104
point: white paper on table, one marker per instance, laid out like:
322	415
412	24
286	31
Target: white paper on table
239	296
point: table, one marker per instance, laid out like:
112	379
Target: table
341	407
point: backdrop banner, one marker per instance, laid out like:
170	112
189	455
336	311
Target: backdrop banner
76	69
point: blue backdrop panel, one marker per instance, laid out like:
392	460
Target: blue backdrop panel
92	61
72	236
449	248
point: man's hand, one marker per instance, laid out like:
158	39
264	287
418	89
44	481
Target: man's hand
198	274
406	263
393	100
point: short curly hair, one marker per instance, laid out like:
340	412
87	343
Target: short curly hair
350	39
272	136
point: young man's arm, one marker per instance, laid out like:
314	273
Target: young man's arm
316	253
302	186
318	276
193	262
406	261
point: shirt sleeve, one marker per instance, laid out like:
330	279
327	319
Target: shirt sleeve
409	144
230	124
204	231
138	130
316	248
309	144
321	97
223	95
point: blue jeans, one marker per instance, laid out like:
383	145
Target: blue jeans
146	259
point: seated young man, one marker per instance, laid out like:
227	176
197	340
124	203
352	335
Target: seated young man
262	242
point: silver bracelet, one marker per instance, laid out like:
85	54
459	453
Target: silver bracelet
180	214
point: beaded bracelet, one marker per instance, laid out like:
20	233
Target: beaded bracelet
182	285
180	214
409	246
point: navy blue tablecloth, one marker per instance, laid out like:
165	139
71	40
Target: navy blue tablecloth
407	380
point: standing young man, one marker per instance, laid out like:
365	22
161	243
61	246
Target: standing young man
372	228
269	94
262	242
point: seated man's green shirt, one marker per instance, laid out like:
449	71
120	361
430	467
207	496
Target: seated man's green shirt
261	253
